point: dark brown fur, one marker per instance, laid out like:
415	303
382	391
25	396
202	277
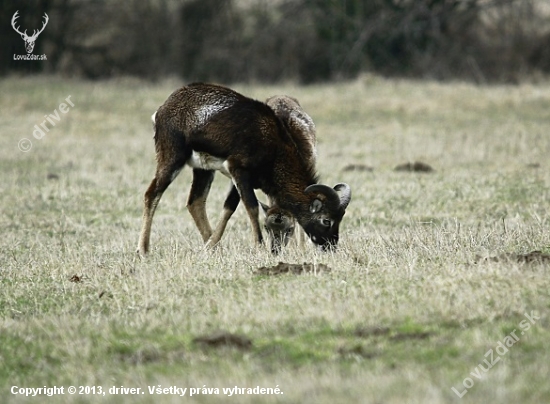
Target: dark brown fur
257	153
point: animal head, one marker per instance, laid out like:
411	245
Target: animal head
280	225
29	40
327	207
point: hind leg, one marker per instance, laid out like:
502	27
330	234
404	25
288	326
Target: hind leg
196	204
164	177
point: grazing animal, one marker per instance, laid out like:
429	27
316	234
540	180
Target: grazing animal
279	223
213	128
280	226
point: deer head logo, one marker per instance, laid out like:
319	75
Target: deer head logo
29	40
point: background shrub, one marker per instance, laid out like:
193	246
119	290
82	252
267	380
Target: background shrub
268	41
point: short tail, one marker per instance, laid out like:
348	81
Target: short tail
153	117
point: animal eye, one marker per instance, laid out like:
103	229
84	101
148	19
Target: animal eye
326	222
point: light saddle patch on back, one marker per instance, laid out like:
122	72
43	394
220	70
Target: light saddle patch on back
204	112
207	111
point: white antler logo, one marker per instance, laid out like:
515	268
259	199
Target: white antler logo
29	40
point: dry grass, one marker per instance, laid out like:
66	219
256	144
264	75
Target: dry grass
406	312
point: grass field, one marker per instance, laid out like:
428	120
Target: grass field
410	310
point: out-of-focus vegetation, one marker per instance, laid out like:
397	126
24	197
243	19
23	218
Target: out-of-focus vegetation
268	41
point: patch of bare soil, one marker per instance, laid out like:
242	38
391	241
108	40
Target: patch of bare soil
367	332
358	167
364	332
297	269
417	167
357	350
412	335
534	257
223	338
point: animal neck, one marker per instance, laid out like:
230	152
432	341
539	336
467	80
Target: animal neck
288	192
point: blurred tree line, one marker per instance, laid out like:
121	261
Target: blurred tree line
271	40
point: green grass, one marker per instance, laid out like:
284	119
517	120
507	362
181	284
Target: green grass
407	312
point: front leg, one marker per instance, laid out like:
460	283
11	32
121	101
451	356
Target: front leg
230	205
243	183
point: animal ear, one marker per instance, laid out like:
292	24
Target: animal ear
315	206
265	208
330	198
